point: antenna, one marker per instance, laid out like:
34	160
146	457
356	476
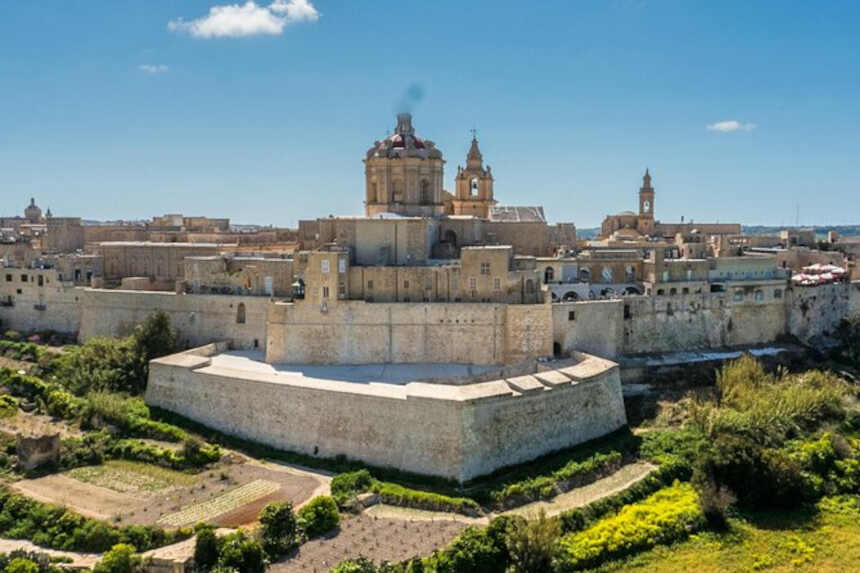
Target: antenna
797	214
474	132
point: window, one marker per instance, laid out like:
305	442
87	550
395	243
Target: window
405	284
40	280
685	290
759	295
660	292
739	295
341	265
369	285
627	312
324	267
485	268
325	292
18	291
23	278
665	276
497	284
341	289
630	274
8	278
777	293
240	313
548	275
571	315
473	283
673	291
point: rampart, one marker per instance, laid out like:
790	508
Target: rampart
357	332
455	431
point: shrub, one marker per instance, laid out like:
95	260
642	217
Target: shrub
205	548
355	565
23	385
100	364
572	474
120	559
760	477
13	335
241	552
22	565
395	494
63	405
279	528
660	446
473	551
319	516
8	406
532	545
666	516
351	483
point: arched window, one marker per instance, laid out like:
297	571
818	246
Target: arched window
584	275
426	199
473	187
240	313
630	274
548	275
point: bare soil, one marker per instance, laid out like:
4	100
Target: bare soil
375	538
29	423
136	500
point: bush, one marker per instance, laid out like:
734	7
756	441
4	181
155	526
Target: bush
573	474
351	483
279	529
63	405
473	551
395	494
241	552
532	545
22	565
759	477
140	451
319	516
120	559
8	406
23	385
666	516
100	364
355	565
205	548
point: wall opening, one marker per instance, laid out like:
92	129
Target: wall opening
240	313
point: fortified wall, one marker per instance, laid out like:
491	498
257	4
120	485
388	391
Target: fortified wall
357	332
454	431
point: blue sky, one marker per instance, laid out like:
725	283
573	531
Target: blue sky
263	112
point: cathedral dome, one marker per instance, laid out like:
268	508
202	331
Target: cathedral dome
404	143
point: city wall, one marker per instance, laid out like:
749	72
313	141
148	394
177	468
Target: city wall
357	332
817	311
199	318
458	432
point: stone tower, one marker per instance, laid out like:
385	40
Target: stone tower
474	186
646	206
404	174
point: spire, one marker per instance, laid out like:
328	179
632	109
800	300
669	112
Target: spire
646	180
474	153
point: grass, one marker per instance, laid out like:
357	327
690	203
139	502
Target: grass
822	540
130	476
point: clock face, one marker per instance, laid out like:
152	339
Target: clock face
647	205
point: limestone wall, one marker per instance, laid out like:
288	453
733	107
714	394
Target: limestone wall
454	431
43	302
357	332
199	318
854	300
817	311
595	327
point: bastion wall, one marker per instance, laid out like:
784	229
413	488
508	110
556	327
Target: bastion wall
357	332
458	432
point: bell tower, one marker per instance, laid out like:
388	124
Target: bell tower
646	205
474	185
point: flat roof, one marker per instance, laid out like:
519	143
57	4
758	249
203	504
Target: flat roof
164	244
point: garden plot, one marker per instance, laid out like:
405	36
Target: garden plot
375	538
209	510
84	498
132	477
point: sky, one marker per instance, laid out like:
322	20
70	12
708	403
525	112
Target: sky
262	112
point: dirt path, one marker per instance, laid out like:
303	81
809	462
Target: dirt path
79	560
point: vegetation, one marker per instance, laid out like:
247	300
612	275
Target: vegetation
666	516
120	559
58	528
240	551
319	516
532	545
279	528
20	561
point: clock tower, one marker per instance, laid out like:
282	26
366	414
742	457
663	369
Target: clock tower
646	206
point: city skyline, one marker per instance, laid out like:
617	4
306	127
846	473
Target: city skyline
262	112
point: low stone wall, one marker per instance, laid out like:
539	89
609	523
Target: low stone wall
458	432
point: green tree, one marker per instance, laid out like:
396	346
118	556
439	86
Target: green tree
205	548
279	528
120	559
319	516
22	565
153	338
241	552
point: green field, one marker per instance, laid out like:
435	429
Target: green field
824	540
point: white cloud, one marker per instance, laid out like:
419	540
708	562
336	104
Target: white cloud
153	68
731	125
248	19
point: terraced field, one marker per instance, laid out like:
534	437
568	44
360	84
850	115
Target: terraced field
209	510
